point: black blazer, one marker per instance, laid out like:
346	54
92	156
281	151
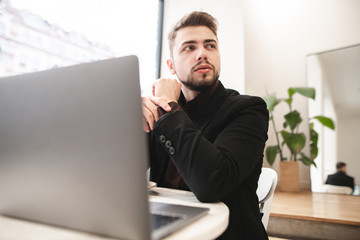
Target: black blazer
219	158
340	179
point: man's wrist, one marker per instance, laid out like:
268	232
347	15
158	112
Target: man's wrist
174	106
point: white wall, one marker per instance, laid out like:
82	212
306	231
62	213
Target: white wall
265	42
278	34
230	35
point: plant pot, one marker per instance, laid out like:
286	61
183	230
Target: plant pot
289	177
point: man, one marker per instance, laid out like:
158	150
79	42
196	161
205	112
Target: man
203	137
340	178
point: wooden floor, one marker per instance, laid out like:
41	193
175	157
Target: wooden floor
334	208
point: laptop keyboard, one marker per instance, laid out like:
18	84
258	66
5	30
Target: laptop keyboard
162	220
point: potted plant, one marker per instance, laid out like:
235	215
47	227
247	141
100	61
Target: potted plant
292	138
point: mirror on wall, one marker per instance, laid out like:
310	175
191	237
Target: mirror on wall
336	76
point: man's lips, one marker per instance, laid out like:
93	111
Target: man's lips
204	68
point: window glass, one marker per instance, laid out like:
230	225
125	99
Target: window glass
2	29
67	32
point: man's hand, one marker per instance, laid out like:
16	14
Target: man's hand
150	112
167	89
164	91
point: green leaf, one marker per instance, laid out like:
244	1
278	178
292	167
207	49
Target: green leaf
328	122
314	136
314	150
305	91
294	141
271	101
271	152
289	101
291	92
306	160
293	119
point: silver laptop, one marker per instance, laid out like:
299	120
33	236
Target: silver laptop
73	152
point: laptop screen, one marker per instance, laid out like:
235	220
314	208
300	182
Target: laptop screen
72	149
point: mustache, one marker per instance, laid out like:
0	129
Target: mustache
202	62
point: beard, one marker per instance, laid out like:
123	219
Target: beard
202	83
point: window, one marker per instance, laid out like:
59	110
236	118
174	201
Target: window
26	38
38	42
101	28
2	29
23	60
35	64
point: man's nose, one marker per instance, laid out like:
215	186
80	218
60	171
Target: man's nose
201	55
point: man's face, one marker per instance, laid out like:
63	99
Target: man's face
196	57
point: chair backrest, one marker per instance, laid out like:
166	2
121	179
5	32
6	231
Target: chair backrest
265	191
337	189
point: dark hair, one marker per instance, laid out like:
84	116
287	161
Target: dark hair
340	165
192	20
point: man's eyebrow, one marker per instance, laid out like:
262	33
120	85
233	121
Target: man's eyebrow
210	40
188	42
193	41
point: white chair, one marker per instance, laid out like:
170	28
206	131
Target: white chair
337	189
265	191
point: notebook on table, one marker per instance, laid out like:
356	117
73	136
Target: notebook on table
73	152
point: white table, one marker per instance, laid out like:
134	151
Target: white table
208	227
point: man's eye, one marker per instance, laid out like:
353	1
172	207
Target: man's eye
211	46
189	48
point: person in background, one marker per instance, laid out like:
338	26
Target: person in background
205	138
340	178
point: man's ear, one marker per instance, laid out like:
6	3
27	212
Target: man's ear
171	66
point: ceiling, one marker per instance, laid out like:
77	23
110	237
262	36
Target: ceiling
342	70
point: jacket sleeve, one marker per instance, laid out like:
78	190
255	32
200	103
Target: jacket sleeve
214	169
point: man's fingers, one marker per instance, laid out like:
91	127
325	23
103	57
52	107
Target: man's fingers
167	89
150	111
161	103
146	125
150	108
150	114
149	119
